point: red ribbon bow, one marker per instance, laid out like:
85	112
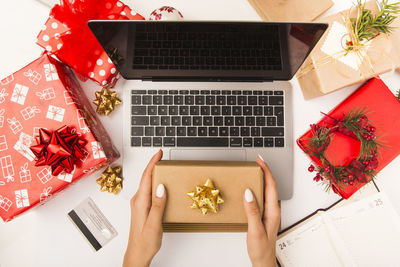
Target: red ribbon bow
78	43
59	149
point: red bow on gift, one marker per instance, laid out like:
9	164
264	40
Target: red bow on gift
59	149
74	43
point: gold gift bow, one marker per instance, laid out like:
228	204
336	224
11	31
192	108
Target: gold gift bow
357	47
206	197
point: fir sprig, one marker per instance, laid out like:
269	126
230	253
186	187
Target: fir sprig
368	26
398	95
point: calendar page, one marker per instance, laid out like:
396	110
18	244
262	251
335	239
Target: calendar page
363	233
369	230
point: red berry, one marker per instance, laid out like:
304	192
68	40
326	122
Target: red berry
351	183
366	162
376	155
366	136
311	168
372	129
372	136
351	176
327	169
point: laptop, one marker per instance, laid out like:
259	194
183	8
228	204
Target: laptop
208	90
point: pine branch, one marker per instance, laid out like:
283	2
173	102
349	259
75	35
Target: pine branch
369	26
398	95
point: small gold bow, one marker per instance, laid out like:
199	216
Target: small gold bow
106	100
206	197
111	180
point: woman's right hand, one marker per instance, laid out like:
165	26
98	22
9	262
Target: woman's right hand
263	229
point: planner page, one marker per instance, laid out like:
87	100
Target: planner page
308	245
370	231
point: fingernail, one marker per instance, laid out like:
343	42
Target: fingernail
261	157
160	191
248	195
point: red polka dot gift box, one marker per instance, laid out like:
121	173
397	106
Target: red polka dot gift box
67	36
49	135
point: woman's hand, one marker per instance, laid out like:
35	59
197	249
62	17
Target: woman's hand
146	220
263	230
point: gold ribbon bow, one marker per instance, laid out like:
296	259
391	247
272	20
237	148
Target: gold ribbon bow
111	180
206	197
106	101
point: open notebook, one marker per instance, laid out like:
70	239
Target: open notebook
365	232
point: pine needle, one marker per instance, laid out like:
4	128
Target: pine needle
369	26
398	95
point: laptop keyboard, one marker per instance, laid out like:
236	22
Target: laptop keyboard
207	118
210	47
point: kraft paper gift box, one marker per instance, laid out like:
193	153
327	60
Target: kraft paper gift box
290	10
328	69
231	178
44	94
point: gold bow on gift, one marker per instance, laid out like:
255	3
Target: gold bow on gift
206	197
111	180
106	101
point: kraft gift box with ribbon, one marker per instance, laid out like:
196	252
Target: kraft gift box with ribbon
331	67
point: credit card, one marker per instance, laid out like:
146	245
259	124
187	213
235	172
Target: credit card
92	223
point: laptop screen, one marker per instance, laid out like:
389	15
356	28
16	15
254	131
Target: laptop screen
207	51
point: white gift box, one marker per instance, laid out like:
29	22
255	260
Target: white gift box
55	113
33	76
7	80
45	195
19	94
5	203
46	94
3	95
3	143
69	99
23	146
15	125
82	122
67	177
45	175
25	174
1	117
50	72
97	150
29	112
7	167
21	198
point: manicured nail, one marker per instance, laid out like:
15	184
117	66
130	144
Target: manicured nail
160	191
248	195
261	157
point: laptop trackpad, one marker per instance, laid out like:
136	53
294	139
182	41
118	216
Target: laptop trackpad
208	154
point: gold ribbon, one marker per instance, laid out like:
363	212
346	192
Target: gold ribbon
111	180
206	197
106	101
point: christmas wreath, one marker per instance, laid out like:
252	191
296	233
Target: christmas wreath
354	124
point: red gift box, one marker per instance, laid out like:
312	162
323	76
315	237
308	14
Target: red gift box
50	100
383	112
67	36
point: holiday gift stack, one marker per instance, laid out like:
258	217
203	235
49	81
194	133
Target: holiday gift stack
355	140
293	10
207	196
358	45
49	135
67	36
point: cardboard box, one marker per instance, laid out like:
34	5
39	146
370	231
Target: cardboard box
290	10
327	69
231	178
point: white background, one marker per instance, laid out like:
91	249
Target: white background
45	236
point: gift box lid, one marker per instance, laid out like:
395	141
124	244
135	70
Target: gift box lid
383	111
231	178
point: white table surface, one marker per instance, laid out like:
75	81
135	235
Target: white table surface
45	236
